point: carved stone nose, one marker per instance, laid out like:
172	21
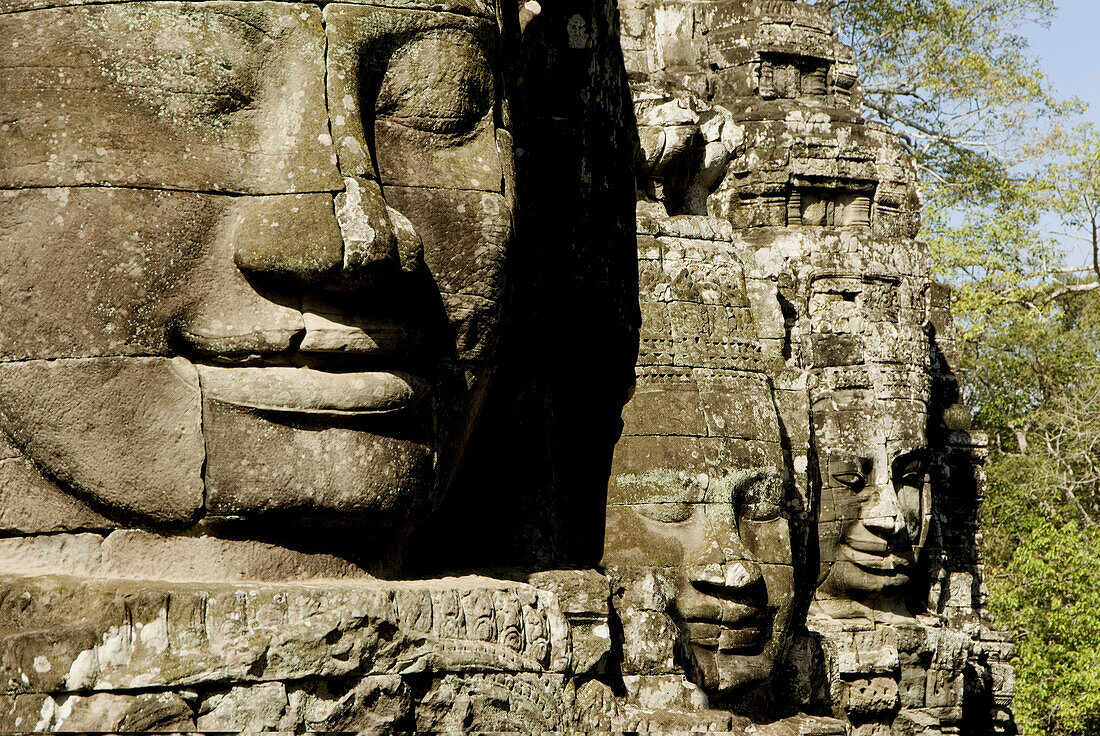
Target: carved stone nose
741	574
735	575
287	237
884	515
377	238
346	241
712	573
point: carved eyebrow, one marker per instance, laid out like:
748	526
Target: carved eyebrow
661	485
849	464
472	9
728	488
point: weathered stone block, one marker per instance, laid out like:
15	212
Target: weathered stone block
516	703
30	503
126	634
649	643
374	704
249	708
738	404
99	713
140	555
60	554
584	598
664	692
872	695
664	408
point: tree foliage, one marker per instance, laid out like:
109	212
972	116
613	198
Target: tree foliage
1007	186
1050	595
955	78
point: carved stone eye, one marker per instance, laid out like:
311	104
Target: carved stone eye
910	471
438	83
666	513
758	496
855	481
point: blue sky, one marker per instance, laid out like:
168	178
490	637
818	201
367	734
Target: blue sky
1068	49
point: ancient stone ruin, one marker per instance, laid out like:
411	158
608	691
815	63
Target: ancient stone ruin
436	366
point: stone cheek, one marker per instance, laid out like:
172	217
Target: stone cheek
144	452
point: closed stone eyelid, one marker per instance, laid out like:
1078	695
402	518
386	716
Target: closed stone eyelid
858	479
673	512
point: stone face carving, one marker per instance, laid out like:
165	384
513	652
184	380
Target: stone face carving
875	496
252	289
700	503
750	137
314	348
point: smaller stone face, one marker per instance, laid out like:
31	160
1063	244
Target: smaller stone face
700	505
725	553
875	499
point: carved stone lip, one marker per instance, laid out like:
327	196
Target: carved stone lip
749	633
304	390
881	563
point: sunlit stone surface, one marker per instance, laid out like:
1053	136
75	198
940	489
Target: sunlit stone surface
454	366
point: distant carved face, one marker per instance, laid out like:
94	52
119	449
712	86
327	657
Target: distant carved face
874	494
725	544
252	262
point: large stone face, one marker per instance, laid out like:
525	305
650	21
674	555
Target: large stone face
241	324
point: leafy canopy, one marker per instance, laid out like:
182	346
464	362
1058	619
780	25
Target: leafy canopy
1007	184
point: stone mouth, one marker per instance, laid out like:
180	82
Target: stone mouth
303	390
750	631
884	562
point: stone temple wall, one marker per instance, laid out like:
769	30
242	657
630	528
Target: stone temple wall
448	366
776	248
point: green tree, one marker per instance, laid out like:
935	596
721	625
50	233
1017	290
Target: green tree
1005	188
1050	594
956	80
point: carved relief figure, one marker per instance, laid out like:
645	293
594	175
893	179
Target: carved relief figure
252	261
274	289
